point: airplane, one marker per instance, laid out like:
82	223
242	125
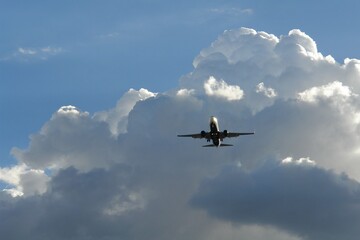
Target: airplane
215	135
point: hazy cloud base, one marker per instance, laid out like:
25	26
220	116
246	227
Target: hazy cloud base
122	173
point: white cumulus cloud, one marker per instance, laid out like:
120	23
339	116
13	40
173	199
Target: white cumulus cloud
268	92
185	92
290	160
24	181
331	90
221	89
117	117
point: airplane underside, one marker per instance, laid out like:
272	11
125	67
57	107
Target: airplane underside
216	143
215	135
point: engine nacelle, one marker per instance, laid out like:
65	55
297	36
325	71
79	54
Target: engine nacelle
225	133
203	134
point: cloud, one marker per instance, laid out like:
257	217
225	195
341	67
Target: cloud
117	117
232	11
245	57
331	90
268	92
123	173
31	54
112	35
23	181
289	197
70	111
27	51
70	138
222	90
75	205
185	92
290	160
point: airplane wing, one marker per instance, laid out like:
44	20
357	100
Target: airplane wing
196	135
233	134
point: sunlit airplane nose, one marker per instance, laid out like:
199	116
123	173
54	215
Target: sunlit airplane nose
213	119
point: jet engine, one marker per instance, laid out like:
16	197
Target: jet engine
225	133
203	134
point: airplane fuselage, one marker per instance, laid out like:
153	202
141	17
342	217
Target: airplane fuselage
215	131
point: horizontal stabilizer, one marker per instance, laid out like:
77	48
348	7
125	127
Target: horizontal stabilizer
222	145
226	145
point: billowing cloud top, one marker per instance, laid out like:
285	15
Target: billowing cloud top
222	90
122	173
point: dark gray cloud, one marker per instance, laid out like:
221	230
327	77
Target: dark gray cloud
147	201
73	207
308	201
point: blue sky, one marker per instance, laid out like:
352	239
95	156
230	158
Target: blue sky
98	50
